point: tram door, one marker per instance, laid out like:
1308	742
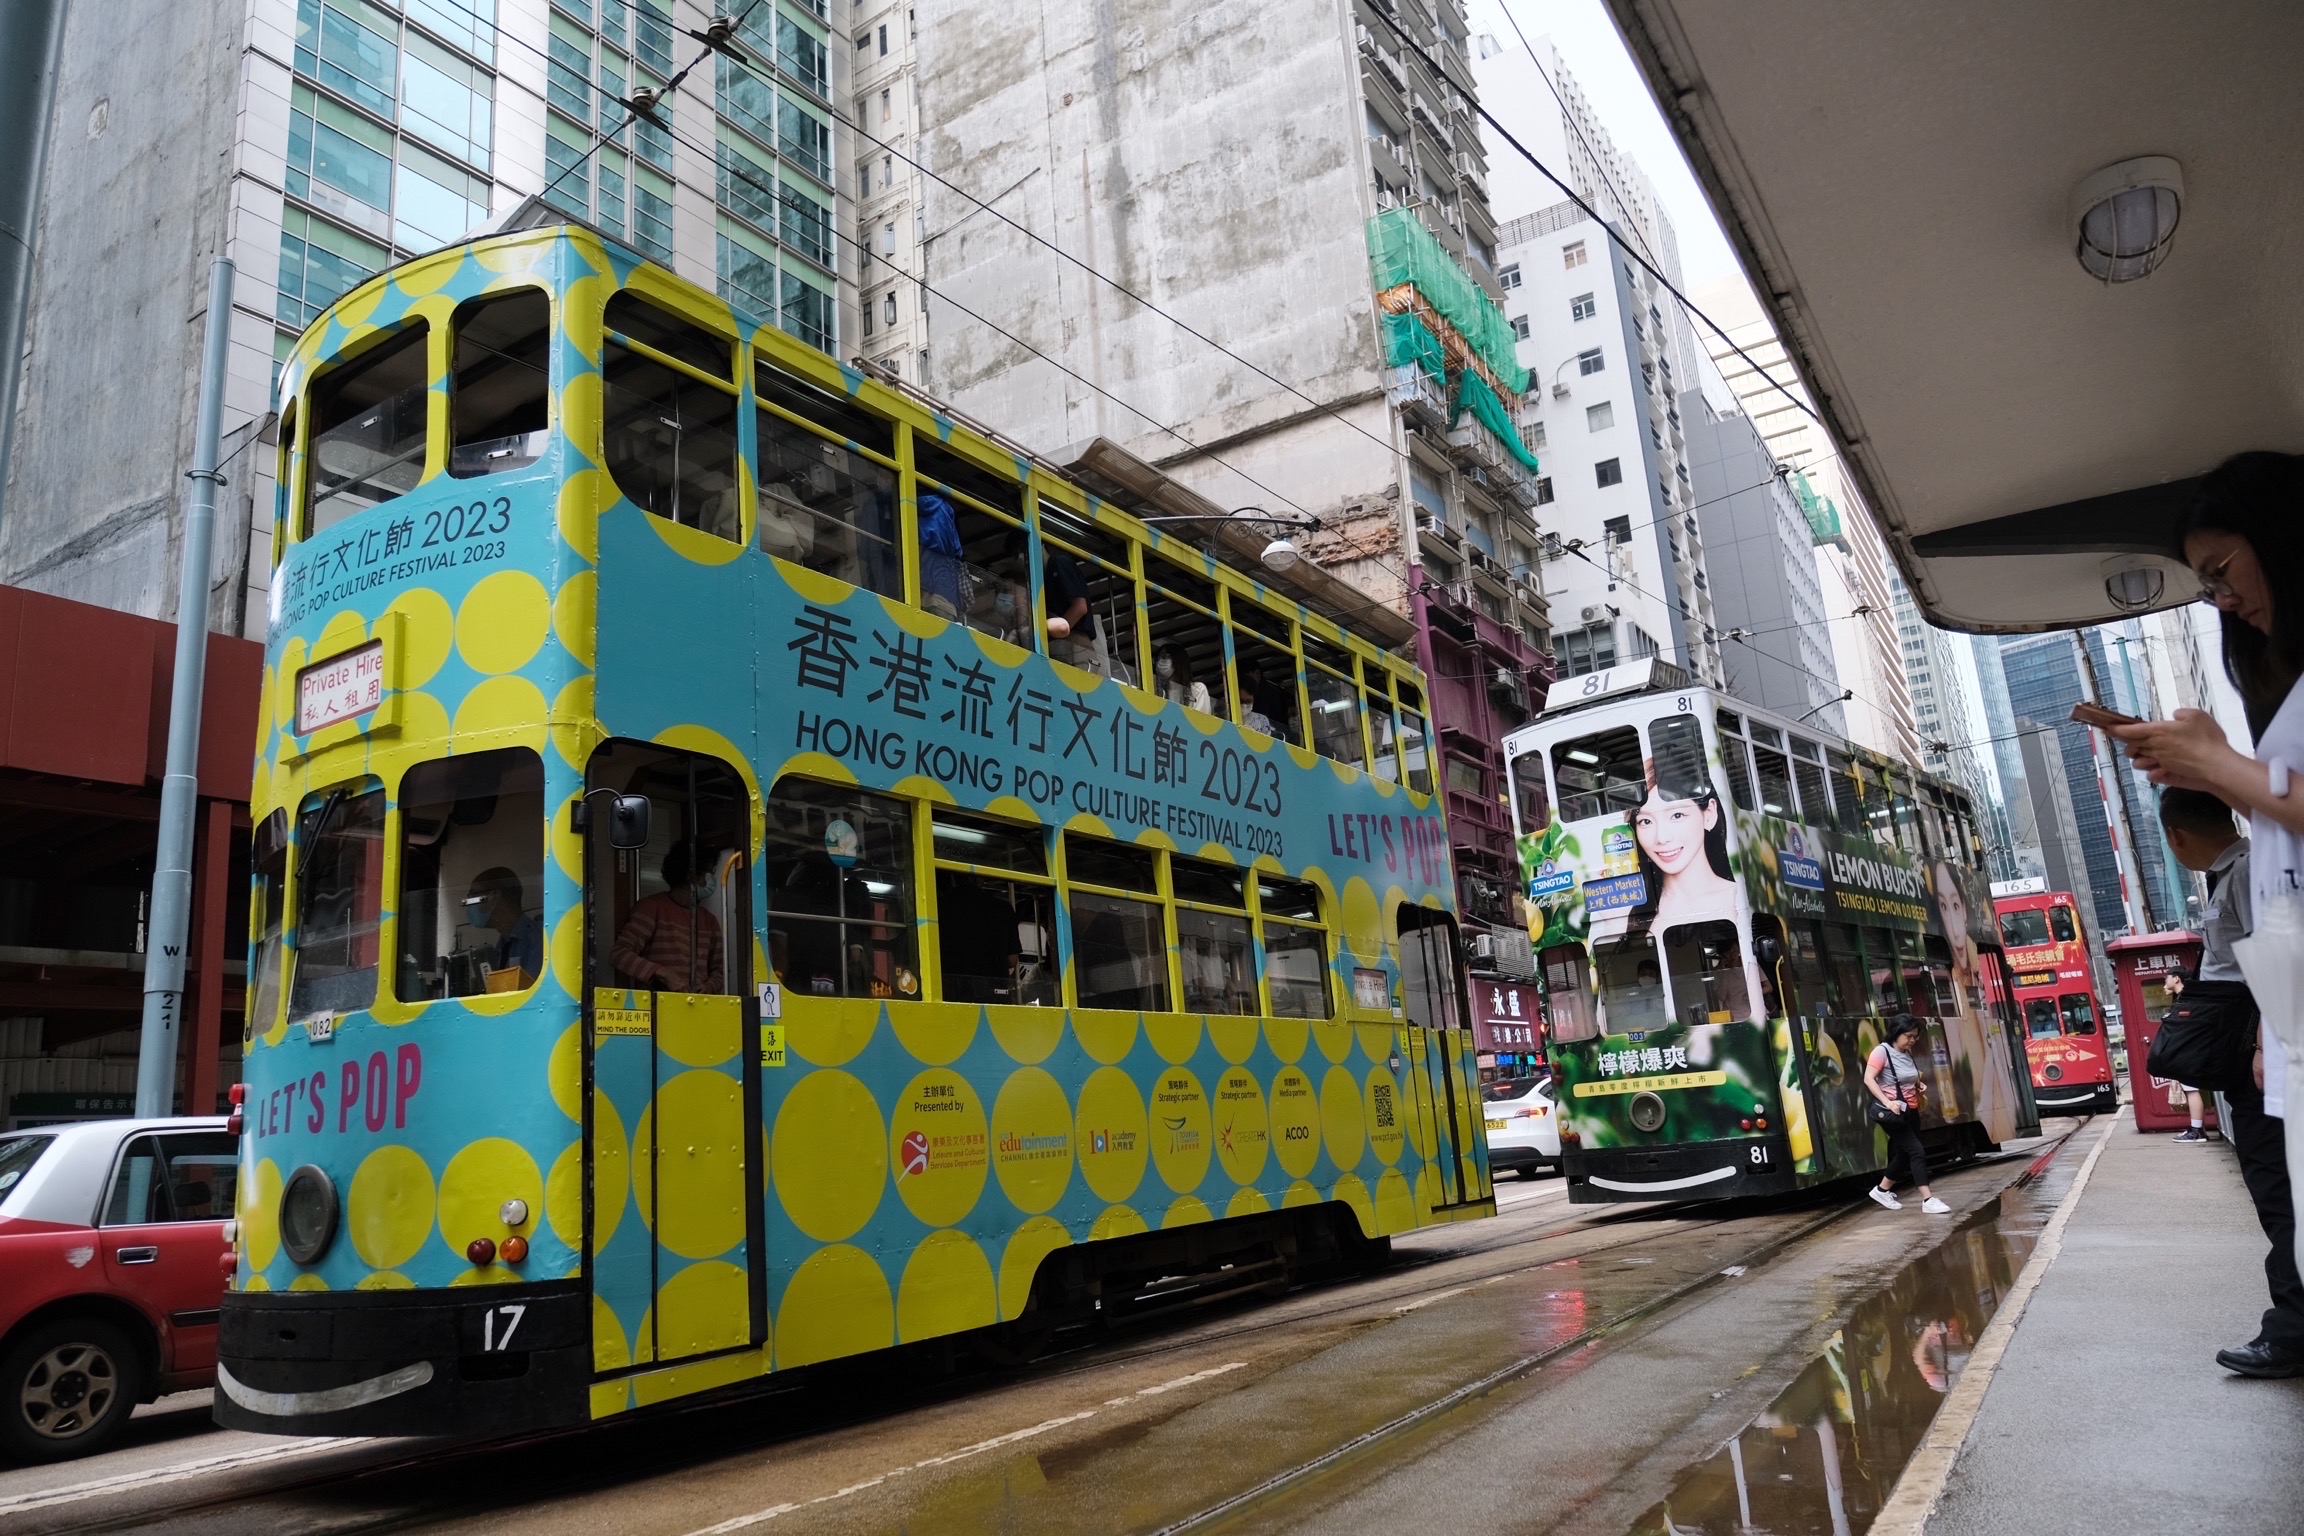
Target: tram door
1439	1042
673	1175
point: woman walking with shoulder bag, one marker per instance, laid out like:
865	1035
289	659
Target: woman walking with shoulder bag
1892	1078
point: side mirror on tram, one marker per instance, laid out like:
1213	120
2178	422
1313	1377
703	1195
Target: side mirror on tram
628	819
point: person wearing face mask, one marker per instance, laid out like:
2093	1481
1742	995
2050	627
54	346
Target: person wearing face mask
2245	539
671	942
1172	670
495	902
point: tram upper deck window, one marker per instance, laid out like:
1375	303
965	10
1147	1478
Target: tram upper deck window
1119	939
1531	798
1295	948
1705	962
1601	774
842	416
2061	923
1734	759
1415	736
1847	796
1772	778
499	393
2026	925
339	900
1808	775
972	548
1335	701
368	429
1187	637
828	507
1088	581
669	436
472	875
995	911
1568	1000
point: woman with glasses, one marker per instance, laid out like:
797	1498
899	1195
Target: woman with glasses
2245	538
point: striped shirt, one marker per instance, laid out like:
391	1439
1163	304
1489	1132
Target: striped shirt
659	946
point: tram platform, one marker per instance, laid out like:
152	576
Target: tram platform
2107	1410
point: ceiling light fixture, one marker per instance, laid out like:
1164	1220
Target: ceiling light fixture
2127	215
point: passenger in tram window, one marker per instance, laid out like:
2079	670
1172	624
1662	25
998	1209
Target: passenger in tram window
1172	670
941	580
495	902
672	943
1071	622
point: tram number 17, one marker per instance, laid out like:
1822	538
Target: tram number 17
497	1326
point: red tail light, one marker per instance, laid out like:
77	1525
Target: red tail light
481	1250
238	1094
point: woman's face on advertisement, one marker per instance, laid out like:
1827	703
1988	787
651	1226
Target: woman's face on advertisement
1671	832
1952	905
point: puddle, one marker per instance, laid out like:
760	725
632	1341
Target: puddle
1825	1455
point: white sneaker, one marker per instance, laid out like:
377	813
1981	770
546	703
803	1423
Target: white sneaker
1886	1199
1935	1207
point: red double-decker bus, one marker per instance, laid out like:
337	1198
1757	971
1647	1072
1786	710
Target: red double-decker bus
2064	1037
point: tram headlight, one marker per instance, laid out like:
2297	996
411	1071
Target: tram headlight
1646	1111
308	1211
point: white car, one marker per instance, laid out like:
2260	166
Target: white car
1523	1129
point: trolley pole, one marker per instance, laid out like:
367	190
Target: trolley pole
165	940
31	47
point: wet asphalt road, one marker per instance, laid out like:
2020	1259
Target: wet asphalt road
1556	1368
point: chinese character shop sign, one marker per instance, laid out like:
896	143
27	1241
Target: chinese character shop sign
1505	1016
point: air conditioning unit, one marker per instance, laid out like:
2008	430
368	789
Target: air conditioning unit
1483	946
1593	613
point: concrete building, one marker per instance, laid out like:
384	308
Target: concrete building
890	230
1623	563
1278	273
1869	654
315	142
1760	550
1951	737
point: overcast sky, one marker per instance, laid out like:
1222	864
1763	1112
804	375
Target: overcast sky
1588	40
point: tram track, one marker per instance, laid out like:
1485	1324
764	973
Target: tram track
468	1479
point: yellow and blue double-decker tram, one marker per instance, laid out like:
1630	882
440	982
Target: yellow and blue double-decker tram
750	872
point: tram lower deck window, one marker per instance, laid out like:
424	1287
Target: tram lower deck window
368	430
995	912
841	911
472	875
1119	941
339	879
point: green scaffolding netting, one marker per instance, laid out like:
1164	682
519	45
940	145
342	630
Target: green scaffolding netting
1402	250
1474	395
1409	340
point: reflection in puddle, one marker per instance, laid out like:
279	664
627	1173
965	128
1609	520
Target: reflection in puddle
1826	1453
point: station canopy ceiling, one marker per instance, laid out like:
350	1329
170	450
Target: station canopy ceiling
1898	181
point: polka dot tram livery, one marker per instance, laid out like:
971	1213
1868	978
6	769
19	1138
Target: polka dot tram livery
749	872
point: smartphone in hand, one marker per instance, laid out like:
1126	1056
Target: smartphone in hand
2103	719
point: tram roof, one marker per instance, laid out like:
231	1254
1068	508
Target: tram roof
1899	184
1103	480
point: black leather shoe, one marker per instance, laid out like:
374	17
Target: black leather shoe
2260	1359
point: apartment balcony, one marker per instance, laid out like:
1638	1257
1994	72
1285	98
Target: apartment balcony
1471	444
1477	823
1384	150
1428	115
1516	483
1417	396
1452	611
1380	83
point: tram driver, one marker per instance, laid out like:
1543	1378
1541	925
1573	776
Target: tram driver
495	901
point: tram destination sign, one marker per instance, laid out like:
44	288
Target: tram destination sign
340	688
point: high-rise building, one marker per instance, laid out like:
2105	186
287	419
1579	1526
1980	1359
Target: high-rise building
1252	246
890	227
1760	551
2046	675
315	142
1855	569
1623	561
1951	742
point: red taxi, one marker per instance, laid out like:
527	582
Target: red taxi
110	1233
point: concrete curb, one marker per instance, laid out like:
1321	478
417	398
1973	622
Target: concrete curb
1914	1498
